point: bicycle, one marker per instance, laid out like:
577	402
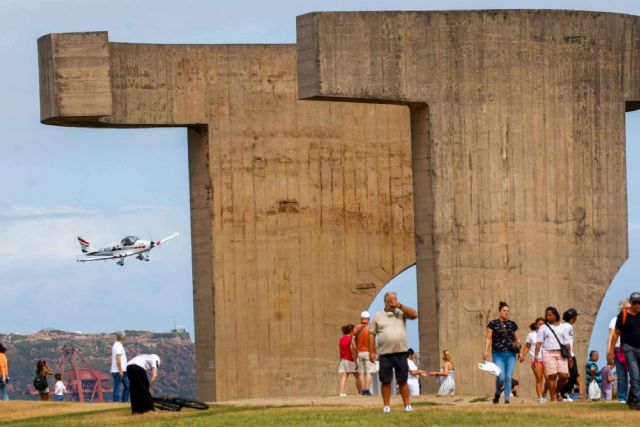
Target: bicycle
174	404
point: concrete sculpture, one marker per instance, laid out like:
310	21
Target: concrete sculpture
518	143
300	211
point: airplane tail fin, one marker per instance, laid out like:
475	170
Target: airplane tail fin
85	246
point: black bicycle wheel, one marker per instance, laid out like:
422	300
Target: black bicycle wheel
189	403
165	405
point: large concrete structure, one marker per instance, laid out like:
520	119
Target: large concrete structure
518	141
300	211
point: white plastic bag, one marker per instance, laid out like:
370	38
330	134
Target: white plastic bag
490	367
594	391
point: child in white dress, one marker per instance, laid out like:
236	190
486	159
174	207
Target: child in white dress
447	382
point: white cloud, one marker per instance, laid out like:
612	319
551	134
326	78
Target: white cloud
24	211
138	208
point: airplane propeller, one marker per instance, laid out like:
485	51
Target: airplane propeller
161	241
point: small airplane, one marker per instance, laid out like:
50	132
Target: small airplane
129	246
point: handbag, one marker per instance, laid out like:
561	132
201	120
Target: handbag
564	351
40	383
620	357
514	345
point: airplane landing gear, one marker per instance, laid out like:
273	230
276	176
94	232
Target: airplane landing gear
121	262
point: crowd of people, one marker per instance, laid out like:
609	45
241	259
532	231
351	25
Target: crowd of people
379	345
549	348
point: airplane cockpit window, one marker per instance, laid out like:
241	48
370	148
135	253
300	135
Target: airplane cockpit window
129	240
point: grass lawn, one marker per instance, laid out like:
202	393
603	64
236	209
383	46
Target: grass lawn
22	413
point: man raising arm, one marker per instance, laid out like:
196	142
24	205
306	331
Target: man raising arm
390	328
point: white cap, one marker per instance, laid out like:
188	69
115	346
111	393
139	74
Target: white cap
365	315
156	358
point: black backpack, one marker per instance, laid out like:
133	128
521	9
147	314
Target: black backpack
40	383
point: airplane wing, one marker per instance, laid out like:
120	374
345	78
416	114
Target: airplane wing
161	241
84	258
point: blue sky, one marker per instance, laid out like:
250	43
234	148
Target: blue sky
104	184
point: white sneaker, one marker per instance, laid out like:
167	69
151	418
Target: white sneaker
386	409
567	399
343	394
408	408
542	400
622	401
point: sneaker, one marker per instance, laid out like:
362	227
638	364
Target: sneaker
386	409
506	402
567	399
542	400
343	394
366	392
622	401
496	398
408	408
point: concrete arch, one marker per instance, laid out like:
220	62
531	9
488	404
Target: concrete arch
300	211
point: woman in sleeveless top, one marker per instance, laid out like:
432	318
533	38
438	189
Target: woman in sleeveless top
42	370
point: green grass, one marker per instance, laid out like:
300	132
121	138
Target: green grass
557	415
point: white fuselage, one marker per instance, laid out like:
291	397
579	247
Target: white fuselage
138	247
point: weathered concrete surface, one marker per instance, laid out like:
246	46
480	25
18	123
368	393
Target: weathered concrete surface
300	211
518	150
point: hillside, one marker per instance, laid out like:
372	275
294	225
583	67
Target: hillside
176	375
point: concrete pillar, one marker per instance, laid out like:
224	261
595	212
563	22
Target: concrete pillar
519	155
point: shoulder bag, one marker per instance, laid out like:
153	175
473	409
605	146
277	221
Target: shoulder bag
564	351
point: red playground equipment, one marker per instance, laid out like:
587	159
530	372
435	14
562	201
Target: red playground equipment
83	381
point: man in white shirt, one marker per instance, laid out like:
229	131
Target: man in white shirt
138	369
119	370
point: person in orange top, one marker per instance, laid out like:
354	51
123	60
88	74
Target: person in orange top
4	373
360	349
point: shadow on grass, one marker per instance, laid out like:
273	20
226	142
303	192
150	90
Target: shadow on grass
418	404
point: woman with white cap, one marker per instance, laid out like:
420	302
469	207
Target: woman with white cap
139	383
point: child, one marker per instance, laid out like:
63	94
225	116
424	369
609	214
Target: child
447	383
607	379
413	382
593	373
59	389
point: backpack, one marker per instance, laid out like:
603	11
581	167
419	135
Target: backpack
40	383
624	316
